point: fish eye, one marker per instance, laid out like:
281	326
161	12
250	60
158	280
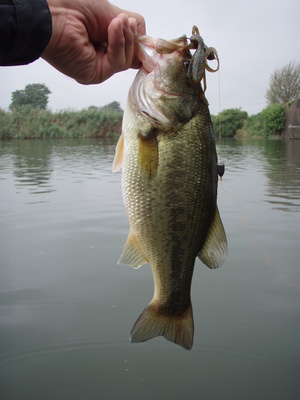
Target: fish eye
187	64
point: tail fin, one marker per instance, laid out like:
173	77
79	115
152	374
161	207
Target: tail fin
178	329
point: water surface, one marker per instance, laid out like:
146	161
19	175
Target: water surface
66	307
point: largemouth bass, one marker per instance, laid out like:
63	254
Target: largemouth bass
169	181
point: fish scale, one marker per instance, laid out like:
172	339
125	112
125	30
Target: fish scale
169	183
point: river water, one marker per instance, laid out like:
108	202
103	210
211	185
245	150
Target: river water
67	307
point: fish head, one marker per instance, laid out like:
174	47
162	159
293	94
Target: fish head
165	62
164	91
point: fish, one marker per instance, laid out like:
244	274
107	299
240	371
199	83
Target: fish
168	158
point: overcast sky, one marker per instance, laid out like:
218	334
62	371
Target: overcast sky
252	37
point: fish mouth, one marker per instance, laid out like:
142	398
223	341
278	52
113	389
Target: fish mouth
150	86
151	51
154	53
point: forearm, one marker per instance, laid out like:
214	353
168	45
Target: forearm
25	30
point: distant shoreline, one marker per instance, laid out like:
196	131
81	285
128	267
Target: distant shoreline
30	123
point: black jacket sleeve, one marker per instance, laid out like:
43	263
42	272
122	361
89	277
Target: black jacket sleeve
25	30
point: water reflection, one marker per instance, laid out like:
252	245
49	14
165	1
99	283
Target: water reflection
31	162
283	186
277	160
33	168
66	307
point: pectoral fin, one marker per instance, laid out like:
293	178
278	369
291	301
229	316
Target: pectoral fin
214	250
148	153
117	163
132	254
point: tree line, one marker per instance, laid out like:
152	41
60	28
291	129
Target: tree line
235	122
29	117
27	122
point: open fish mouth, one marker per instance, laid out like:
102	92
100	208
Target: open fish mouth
196	64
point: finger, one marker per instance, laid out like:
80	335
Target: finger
131	40
141	25
120	41
121	46
136	63
116	41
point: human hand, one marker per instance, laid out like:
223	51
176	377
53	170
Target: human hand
92	39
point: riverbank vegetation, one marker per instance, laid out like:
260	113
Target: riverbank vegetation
235	122
31	123
27	122
29	118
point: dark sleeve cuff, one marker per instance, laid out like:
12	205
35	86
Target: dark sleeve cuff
29	28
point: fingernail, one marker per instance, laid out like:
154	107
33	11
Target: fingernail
133	26
127	22
134	30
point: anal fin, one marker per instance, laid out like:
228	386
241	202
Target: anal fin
132	254
214	250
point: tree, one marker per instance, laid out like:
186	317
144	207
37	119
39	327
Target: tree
270	121
113	106
273	119
232	119
34	95
284	84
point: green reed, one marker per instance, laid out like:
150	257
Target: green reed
31	123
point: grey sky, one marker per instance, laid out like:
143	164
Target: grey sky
252	37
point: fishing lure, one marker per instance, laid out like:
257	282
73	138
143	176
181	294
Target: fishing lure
198	63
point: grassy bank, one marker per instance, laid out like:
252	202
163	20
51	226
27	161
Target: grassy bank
31	123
